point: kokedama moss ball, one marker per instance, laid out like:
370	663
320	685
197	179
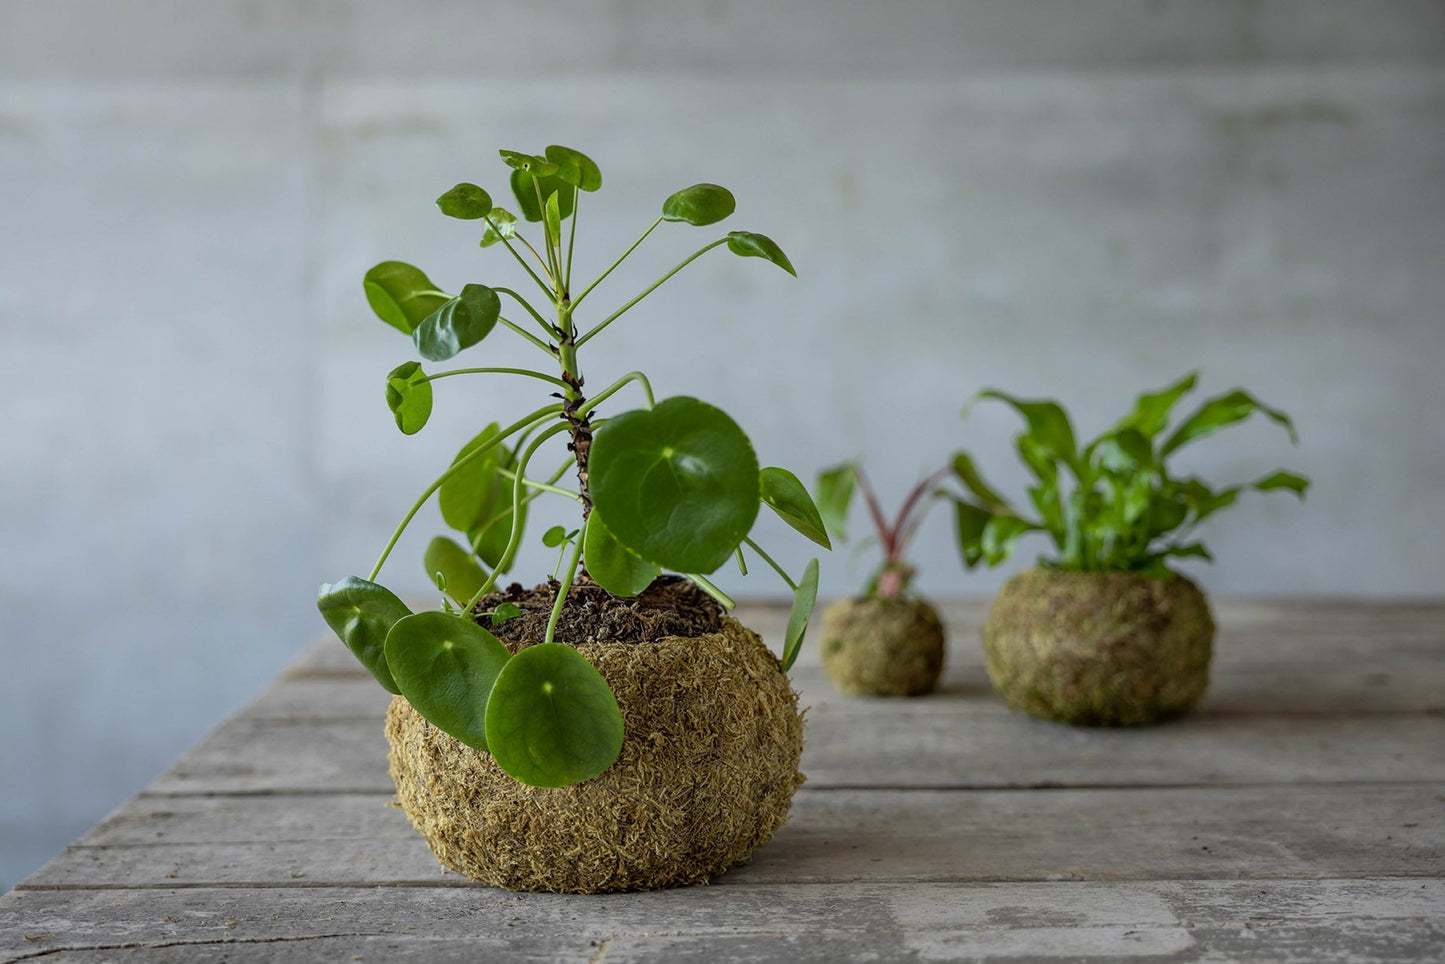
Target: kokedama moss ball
707	773
1099	648
882	647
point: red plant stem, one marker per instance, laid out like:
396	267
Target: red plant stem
885	534
899	537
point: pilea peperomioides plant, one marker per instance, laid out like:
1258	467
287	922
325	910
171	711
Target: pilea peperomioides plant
1104	632
673	485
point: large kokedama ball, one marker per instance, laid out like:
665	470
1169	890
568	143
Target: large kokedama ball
882	647
1099	648
707	772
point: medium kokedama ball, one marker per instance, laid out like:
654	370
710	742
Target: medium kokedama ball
882	647
1099	648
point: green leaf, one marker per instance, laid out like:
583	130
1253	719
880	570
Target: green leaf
1151	409
471	496
750	245
610	564
408	395
528	163
504	612
969	522
551	719
1193	549
999	535
785	495
491	536
465	201
554	537
401	295
1123	450
804	597
445	666
1216	413
1283	480
1050	434
552	214
362	613
574	167
835	493
528	202
458	324
458	568
501	223
968	474
678	483
700	204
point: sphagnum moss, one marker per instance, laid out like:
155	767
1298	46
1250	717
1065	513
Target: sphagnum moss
882	647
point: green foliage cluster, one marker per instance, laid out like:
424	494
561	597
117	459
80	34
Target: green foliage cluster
1113	504
673	485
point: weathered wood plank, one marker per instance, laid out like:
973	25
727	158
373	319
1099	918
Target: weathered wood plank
948	739
1362	920
1129	834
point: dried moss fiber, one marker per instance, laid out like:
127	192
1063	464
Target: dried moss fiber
1097	648
707	773
882	647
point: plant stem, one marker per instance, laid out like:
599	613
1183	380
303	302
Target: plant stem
520	260
527	499
496	371
567	576
542	322
578	300
713	591
649	290
540	486
769	560
456	467
885	534
528	335
571	243
556	271
617	386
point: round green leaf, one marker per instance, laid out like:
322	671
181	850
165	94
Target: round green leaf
526	194
501	223
362	613
677	483
465	201
471	496
700	204
574	167
554	537
458	324
551	718
401	295
458	568
750	245
786	496
610	565
530	163
803	599
445	667
408	395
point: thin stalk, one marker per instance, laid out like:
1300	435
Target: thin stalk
528	335
457	466
545	265
540	486
568	575
496	371
527	499
617	386
571	244
769	560
713	591
578	300
885	534
530	310
742	563
547	236
649	290
520	260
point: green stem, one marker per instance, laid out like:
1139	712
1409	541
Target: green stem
769	560
546	236
614	388
496	371
546	328
520	260
711	590
457	466
528	335
515	541
571	243
649	290
540	486
527	499
578	300
566	586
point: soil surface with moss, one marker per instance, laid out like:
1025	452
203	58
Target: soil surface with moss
882	647
1099	648
671	606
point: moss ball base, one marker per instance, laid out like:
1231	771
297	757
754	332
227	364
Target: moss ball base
1099	649
708	769
882	647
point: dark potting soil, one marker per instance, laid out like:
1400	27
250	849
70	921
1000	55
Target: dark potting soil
671	606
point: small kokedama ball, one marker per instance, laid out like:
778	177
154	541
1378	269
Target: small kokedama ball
882	647
1099	648
707	773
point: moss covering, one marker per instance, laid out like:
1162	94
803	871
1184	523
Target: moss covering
707	773
1099	648
882	647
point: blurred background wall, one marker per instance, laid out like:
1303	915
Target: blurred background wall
1078	198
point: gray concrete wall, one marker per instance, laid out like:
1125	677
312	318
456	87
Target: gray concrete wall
1075	198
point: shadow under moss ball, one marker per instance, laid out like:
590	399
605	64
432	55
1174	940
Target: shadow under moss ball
1099	648
882	647
707	773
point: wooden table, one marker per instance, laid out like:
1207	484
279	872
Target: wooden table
1300	815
